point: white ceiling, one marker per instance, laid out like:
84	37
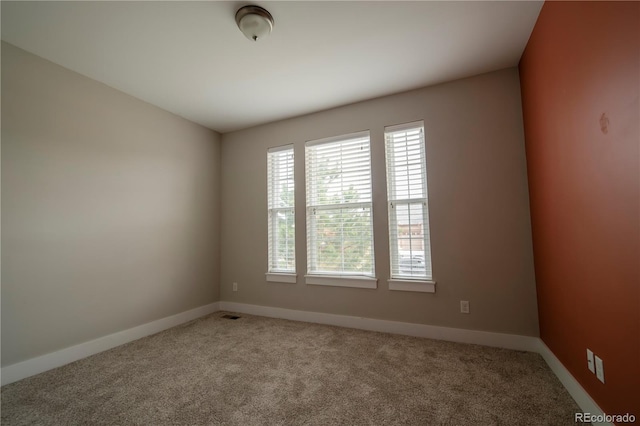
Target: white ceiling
190	58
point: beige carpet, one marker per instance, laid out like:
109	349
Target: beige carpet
262	371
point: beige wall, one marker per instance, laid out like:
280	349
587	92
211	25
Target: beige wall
481	234
110	209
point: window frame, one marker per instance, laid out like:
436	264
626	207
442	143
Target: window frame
274	273
341	278
397	281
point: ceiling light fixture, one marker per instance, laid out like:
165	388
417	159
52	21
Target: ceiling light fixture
254	22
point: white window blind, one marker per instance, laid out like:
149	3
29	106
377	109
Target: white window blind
339	217
280	199
409	238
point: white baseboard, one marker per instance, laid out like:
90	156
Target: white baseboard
21	370
30	367
575	389
501	340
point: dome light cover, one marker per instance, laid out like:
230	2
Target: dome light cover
255	22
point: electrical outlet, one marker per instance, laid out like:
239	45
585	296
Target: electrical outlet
464	306
599	369
235	286
590	362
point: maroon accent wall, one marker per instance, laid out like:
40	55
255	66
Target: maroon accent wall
580	75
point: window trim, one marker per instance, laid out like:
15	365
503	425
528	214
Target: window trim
398	281
279	274
356	281
420	286
338	279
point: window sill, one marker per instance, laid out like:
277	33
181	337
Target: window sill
412	285
342	281
281	277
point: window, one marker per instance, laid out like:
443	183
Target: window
409	239
339	217
281	213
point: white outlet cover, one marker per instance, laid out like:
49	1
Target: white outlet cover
590	362
464	306
599	369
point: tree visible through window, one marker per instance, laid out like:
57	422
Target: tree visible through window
339	219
